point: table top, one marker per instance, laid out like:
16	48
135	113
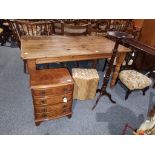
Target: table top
66	48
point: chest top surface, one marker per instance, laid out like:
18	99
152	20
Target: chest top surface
50	78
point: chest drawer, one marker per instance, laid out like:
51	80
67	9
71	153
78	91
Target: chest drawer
53	109
48	112
64	89
51	100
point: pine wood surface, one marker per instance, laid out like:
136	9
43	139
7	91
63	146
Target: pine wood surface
67	48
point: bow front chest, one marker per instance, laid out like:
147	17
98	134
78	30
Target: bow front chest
52	93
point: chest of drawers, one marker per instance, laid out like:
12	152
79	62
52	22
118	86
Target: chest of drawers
52	93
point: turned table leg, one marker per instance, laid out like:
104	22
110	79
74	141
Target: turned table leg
94	63
119	61
31	65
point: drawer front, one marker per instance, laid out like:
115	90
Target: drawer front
53	108
52	99
64	89
54	111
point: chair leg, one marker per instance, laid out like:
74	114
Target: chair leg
144	90
77	64
127	94
105	64
154	85
25	66
94	64
117	80
47	66
2	40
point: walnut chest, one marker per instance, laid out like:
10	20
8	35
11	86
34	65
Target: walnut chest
52	93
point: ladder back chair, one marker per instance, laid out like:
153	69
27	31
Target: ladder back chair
30	28
119	24
39	28
76	28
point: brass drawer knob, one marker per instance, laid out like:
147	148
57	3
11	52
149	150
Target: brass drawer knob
43	102
65	100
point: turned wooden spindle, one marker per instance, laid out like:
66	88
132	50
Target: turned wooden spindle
117	36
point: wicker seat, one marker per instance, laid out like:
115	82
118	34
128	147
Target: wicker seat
134	80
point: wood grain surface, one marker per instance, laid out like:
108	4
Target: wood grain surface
67	48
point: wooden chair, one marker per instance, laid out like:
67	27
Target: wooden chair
71	28
58	27
151	74
27	28
101	26
7	33
15	33
75	30
22	28
119	25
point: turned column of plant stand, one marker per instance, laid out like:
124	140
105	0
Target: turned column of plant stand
117	36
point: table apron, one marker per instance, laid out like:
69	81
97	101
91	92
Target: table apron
72	58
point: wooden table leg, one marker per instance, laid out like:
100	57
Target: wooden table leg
31	65
119	61
94	63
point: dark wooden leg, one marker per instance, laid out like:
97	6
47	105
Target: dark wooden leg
107	77
117	80
69	116
127	94
97	101
94	63
77	64
126	127
62	64
144	90
25	68
38	123
101	94
2	39
154	85
109	96
105	64
46	66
